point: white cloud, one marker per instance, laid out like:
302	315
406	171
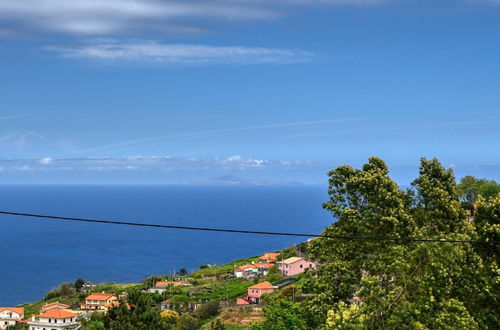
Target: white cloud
145	163
243	162
46	161
104	17
131	17
181	53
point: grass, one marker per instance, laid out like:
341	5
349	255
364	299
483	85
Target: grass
221	270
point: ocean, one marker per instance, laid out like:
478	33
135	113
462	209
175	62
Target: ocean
38	254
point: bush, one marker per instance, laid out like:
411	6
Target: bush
208	309
186	322
66	289
170	317
52	294
217	325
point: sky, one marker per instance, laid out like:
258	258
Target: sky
174	92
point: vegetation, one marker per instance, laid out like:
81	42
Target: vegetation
470	188
419	285
360	284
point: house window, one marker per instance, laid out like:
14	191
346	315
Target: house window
310	265
301	266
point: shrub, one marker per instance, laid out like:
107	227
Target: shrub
208	309
186	322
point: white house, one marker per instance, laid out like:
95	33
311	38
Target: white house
56	319
10	315
254	270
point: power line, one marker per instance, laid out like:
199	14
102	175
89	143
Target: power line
237	231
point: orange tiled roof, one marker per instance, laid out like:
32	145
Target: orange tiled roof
100	296
54	305
270	256
262	285
18	310
57	314
243	267
264	264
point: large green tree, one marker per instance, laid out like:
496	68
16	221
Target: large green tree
471	187
402	284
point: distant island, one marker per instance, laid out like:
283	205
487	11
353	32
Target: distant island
234	180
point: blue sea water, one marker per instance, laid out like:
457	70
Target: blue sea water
39	254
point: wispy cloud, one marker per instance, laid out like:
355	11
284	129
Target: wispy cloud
10	117
215	132
19	139
132	17
181	53
493	121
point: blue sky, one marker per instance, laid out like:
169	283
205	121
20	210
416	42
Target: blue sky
177	91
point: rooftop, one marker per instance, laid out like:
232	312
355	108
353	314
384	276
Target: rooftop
270	256
18	310
99	296
291	260
262	285
57	314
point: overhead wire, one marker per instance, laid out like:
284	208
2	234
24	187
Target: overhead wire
239	231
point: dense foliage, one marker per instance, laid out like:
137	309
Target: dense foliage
418	285
470	188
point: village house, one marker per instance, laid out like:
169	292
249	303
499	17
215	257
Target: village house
10	315
295	265
162	286
56	319
248	272
55	305
99	302
255	293
269	257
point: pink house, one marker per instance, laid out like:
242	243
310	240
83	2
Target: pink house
295	265
255	292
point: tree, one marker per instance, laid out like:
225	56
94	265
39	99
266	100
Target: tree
170	316
186	322
79	283
421	285
140	316
65	289
471	187
281	315
208	309
182	272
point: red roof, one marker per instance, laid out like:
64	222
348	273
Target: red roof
262	285
18	310
100	296
264	264
243	267
57	314
54	305
270	256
